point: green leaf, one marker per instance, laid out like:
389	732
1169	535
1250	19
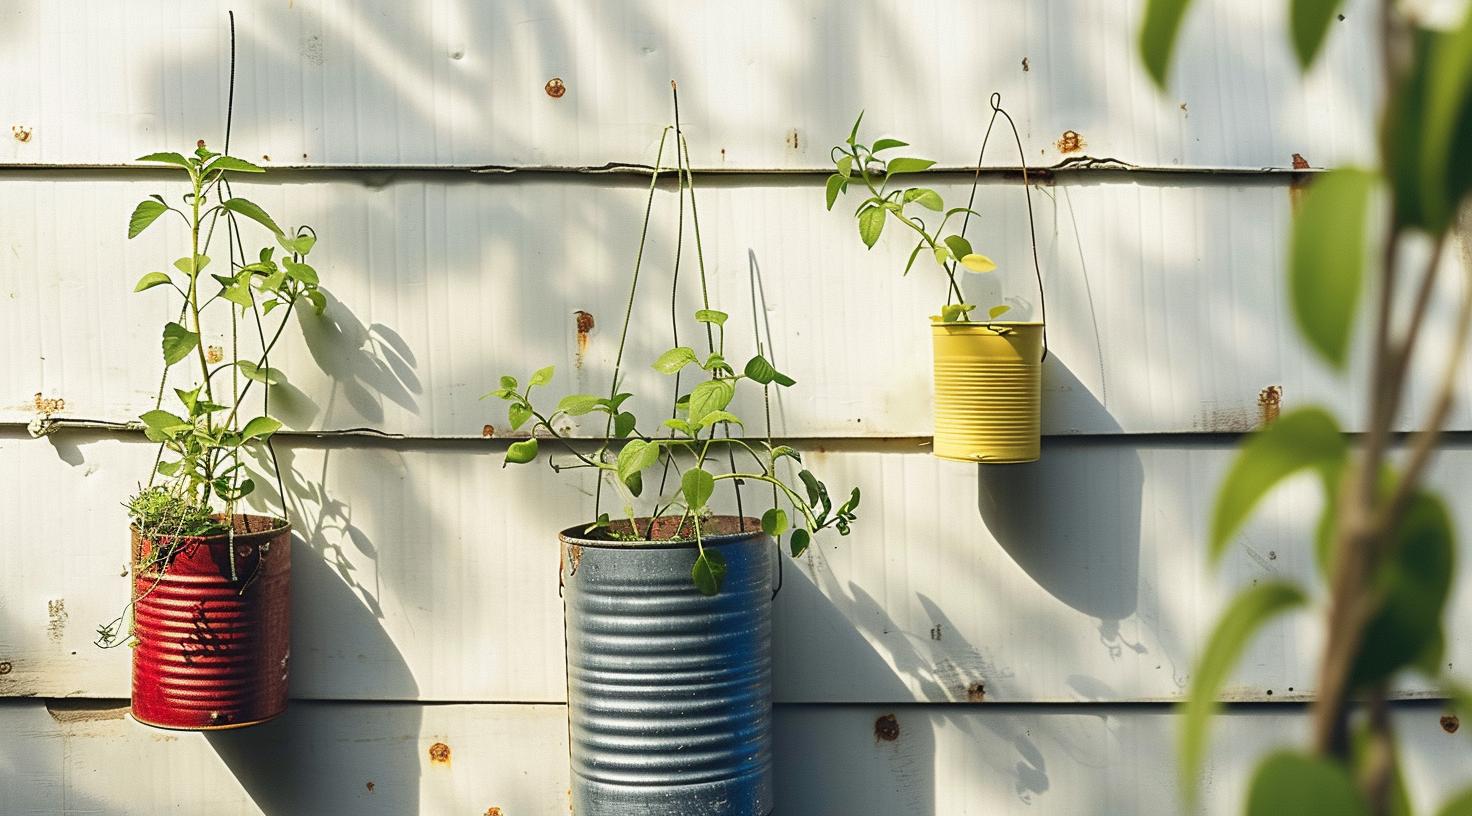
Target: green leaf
854	133
787	451
300	271
832	188
167	158
243	207
188	398
774	522
623	424
952	312
1158	36
508	382
914	253
959	247
711	316
1250	610
998	310
1309	23
1414	581
929	199
1327	259
144	214
697	485
978	263
261	426
814	487
521	452
165	422
942	253
1301	439
579	404
708	572
709	397
268	376
886	144
1459	805
720	416
300	244
177	343
871	223
1288	782
517	413
542	376
759	370
200	262
675	359
799	541
907	165
239	294
636	455
1445	125
232	163
845	165
680	425
151	280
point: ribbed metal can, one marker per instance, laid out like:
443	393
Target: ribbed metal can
212	652
988	391
669	691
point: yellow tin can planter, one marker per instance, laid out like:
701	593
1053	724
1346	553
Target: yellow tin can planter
988	390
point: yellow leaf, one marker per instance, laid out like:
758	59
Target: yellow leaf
978	263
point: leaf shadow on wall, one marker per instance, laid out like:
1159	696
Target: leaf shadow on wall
1071	520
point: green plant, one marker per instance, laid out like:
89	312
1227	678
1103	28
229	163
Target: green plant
700	427
207	432
856	161
1385	545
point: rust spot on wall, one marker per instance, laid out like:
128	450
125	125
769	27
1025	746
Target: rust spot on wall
1070	142
5	667
1299	162
976	692
1450	723
1269	404
585	324
56	618
488	431
214	354
555	88
439	754
48	405
887	728
1025	66
21	133
792	139
265	157
370	786
493	811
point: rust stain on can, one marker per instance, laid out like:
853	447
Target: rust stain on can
574	557
1269	404
976	692
584	322
887	728
439	754
555	87
1450	723
1070	142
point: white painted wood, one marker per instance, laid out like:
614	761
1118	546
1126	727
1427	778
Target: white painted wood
430	573
1167	304
332	82
322	758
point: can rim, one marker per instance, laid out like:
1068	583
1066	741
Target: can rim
279	526
575	535
936	322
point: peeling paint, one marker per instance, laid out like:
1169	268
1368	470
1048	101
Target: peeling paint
886	728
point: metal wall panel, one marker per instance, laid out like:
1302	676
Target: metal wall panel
430	573
1167	303
455	82
510	760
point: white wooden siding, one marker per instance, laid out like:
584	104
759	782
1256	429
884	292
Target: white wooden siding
1073	593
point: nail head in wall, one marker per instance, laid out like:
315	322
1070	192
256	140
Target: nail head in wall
555	87
887	728
1025	66
370	786
21	133
1070	142
439	754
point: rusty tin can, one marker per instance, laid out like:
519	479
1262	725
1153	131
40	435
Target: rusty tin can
669	691
212	651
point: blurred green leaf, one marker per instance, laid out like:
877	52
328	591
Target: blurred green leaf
1459	805
542	376
1327	259
1158	36
1291	783
1251	609
1308	437
1309	23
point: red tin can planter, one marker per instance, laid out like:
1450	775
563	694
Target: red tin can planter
211	652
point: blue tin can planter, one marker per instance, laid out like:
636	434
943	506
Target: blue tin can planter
669	691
